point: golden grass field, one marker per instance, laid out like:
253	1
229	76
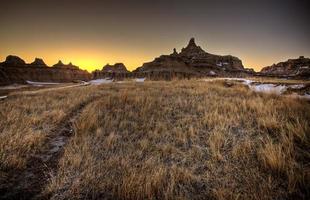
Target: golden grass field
161	140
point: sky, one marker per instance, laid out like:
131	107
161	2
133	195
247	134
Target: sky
92	33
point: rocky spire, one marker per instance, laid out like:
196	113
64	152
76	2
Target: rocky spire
192	49
59	63
192	42
175	53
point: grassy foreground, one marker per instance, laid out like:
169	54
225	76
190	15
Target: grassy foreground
165	140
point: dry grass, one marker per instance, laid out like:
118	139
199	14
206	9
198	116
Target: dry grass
165	140
27	120
186	140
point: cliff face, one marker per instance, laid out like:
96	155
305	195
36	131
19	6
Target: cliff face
117	71
15	70
193	61
299	67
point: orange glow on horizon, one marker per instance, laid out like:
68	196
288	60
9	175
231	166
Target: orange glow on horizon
93	64
85	60
92	58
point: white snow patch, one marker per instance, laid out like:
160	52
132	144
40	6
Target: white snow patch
306	96
41	83
268	88
3	97
100	81
243	80
212	73
298	86
221	64
140	80
13	87
264	87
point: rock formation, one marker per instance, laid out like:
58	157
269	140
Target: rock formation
63	66
116	68
116	71
192	61
299	68
15	70
38	62
13	61
59	64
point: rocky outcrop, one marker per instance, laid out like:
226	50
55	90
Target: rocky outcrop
15	70
69	66
13	61
116	68
38	62
193	61
299	68
166	67
116	71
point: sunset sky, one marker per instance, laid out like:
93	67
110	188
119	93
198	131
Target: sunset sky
93	33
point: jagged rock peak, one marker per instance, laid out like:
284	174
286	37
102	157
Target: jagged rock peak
192	50
38	62
14	61
68	66
175	53
192	42
59	63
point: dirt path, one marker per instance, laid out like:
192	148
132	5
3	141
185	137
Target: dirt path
29	183
54	88
5	93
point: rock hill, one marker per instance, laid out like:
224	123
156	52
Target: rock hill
116	68
38	62
13	61
118	71
16	70
192	61
299	68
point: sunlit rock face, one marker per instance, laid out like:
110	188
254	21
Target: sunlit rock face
116	71
299	67
15	70
193	61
